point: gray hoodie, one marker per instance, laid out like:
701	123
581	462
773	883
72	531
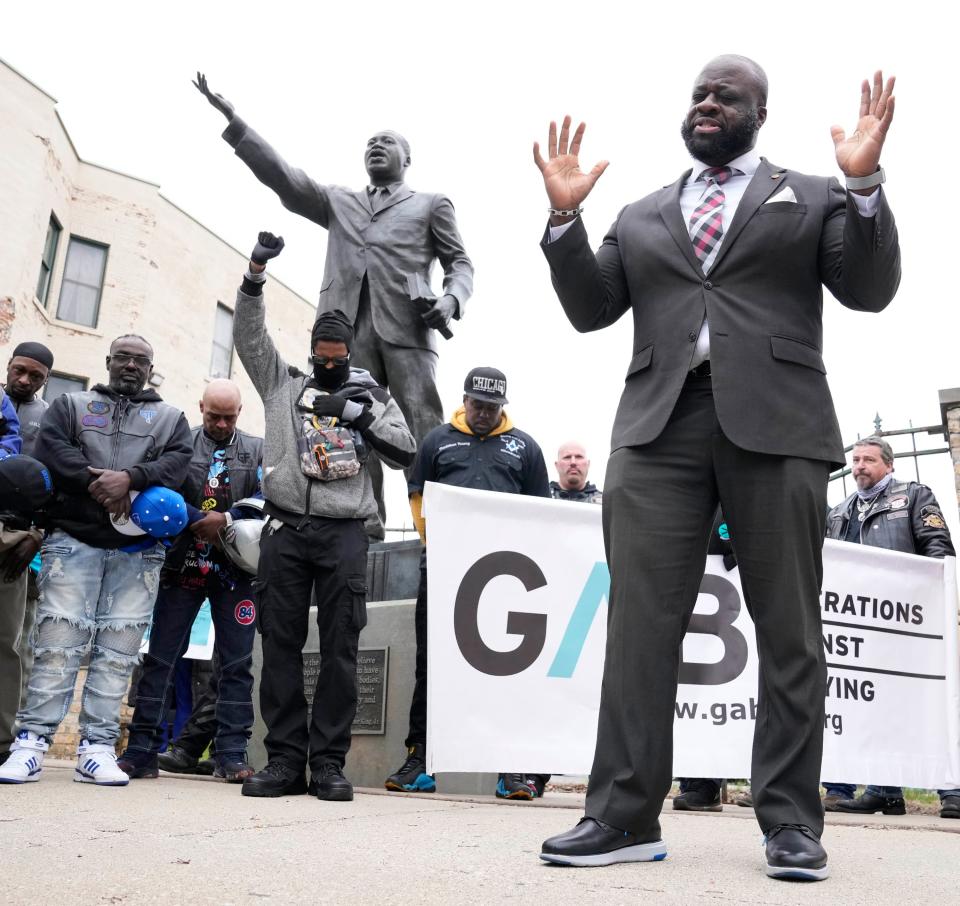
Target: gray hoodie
279	386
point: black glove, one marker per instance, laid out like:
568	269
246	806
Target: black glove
268	246
329	406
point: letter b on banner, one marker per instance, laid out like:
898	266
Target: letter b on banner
720	624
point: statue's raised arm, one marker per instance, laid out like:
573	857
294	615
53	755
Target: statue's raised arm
217	100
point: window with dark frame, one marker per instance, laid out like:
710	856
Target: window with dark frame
82	283
48	259
221	356
60	383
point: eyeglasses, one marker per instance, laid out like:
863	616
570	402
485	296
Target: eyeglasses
122	358
323	360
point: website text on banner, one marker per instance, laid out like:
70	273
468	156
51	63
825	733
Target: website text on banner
517	627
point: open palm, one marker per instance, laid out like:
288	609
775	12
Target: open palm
859	155
566	184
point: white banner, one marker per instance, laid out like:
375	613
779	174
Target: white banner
517	627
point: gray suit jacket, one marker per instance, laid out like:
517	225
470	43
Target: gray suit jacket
405	236
763	298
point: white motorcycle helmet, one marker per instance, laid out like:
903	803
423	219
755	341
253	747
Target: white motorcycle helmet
241	539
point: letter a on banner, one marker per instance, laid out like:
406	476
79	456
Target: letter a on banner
596	590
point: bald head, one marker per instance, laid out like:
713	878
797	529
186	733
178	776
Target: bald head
572	466
220	408
751	68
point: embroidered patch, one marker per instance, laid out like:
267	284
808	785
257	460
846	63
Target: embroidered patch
934	521
148	415
98	407
245	612
930	509
209	504
94	421
900	514
898	503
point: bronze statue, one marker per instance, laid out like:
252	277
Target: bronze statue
383	239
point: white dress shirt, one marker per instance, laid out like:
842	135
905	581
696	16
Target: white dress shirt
744	167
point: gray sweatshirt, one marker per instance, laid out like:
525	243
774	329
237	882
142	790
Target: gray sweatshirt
279	386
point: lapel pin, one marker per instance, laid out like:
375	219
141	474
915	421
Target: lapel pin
775	175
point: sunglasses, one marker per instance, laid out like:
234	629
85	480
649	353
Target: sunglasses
323	360
120	358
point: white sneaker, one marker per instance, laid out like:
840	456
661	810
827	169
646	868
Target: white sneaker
97	763
25	760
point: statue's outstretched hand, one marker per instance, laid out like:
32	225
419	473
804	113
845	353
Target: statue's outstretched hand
859	155
217	100
566	184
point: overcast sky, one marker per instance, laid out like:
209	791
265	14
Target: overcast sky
472	86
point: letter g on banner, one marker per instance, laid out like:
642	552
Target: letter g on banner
532	626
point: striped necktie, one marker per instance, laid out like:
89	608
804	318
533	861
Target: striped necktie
706	222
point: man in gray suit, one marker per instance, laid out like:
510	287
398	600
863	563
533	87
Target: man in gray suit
378	237
725	400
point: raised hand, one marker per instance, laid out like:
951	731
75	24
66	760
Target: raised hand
859	155
217	100
268	246
566	184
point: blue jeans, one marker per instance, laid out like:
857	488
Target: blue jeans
234	623
94	598
843	790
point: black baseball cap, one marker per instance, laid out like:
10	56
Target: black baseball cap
25	484
489	385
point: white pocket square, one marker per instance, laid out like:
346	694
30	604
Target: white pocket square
784	196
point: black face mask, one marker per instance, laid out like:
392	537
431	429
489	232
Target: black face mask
330	378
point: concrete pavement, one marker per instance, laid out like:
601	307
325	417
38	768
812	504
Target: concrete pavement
187	840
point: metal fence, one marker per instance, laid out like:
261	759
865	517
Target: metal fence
913	452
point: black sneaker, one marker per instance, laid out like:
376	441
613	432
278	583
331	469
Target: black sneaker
538	783
950	807
233	768
276	779
700	796
139	765
514	786
412	775
330	784
177	761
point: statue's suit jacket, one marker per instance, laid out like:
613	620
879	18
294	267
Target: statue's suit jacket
409	232
763	297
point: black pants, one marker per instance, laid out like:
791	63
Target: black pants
659	502
417	734
199	730
328	557
173	616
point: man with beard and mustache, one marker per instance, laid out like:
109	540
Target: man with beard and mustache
899	516
318	431
97	584
726	401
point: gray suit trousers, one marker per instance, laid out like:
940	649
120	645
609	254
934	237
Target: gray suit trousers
659	502
410	374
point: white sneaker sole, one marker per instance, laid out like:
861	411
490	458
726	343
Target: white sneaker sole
30	778
641	852
798	874
80	777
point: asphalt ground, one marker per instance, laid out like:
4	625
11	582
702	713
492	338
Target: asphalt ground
195	840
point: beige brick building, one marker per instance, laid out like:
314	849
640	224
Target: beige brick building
90	253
